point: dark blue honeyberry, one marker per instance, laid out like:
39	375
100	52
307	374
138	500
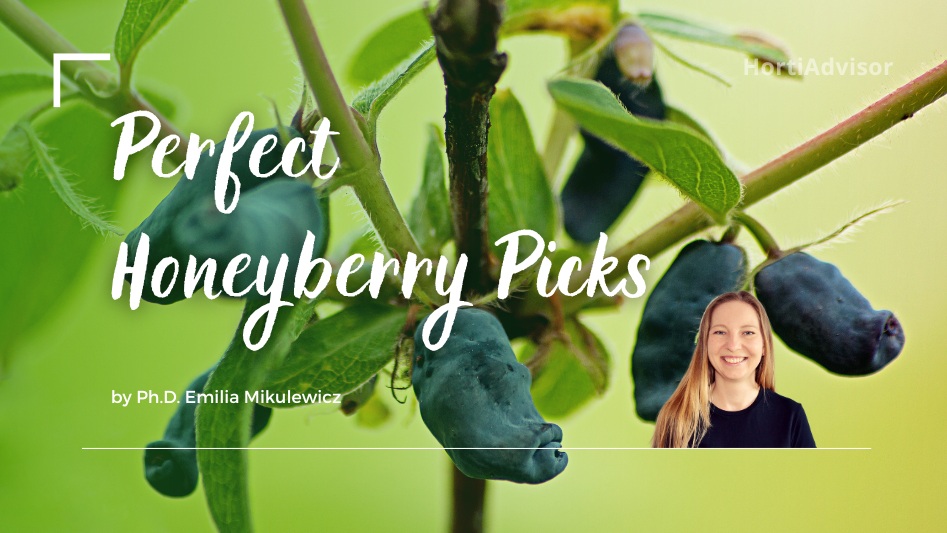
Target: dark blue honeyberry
667	334
473	393
271	218
171	463
821	315
605	180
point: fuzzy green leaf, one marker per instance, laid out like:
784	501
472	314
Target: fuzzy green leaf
13	83
227	425
678	116
429	218
700	69
371	100
341	352
391	44
698	32
520	196
359	241
572	373
141	21
688	161
355	400
45	165
42	237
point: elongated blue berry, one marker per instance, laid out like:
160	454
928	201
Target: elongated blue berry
667	334
474	398
821	315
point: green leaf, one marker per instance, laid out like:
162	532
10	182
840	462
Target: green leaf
371	100
359	241
13	83
571	373
15	157
44	249
681	117
227	425
355	400
395	41
520	196
140	22
45	165
339	353
700	33
687	160
700	69
429	218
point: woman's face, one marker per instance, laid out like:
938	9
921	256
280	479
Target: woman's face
735	346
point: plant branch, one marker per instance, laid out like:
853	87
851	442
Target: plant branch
858	129
563	126
46	41
469	495
349	143
765	239
799	162
351	146
97	85
466	34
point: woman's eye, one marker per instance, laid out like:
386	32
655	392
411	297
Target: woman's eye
718	333
749	333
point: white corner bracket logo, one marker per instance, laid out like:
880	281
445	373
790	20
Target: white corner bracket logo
57	58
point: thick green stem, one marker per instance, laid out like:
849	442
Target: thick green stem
352	148
882	115
97	85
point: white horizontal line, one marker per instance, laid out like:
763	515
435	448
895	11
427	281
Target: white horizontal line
432	449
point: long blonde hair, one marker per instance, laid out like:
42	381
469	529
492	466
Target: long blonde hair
685	417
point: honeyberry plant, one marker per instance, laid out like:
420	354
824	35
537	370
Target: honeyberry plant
481	401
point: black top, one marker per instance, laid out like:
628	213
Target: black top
771	421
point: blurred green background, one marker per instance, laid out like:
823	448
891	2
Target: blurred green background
217	58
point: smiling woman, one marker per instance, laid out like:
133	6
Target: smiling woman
727	398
